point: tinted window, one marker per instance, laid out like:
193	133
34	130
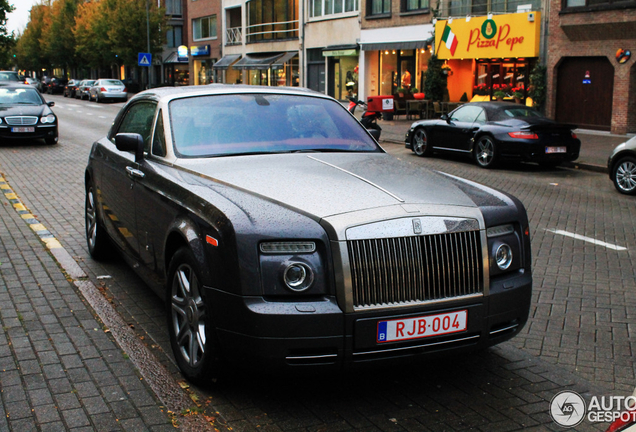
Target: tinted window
138	119
263	123
466	113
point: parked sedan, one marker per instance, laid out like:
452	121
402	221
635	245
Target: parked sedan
56	85
281	234
103	89
24	114
492	131
83	89
71	88
622	167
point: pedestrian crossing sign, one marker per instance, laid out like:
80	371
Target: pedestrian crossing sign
144	59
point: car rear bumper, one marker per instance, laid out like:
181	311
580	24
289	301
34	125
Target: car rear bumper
530	150
283	334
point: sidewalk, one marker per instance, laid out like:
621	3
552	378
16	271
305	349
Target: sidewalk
596	146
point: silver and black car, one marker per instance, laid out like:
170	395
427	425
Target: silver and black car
491	131
621	166
24	114
281	234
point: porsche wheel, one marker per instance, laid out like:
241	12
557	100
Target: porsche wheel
96	237
485	152
624	175
191	336
420	143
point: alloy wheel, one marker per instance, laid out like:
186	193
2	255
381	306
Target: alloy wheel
626	176
91	219
188	315
420	142
485	152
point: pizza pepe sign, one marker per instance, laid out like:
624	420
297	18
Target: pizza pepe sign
511	35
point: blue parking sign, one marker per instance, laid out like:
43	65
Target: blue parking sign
144	59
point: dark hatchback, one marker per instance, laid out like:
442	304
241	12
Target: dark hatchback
25	115
491	131
281	234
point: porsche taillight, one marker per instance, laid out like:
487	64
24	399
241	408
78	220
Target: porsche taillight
523	135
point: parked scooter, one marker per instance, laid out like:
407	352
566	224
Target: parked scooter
369	119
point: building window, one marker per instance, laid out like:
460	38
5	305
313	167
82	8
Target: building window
271	19
330	7
379	7
174	36
173	7
600	4
204	28
414	5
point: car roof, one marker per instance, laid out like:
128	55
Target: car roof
220	89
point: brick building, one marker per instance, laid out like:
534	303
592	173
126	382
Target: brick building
591	75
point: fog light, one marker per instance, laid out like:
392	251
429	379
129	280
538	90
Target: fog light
298	276
503	256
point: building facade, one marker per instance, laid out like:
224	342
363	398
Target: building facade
204	41
591	73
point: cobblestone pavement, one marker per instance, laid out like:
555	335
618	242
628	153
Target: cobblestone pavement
580	335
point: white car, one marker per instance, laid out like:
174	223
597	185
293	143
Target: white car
108	89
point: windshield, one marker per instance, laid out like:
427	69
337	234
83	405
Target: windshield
9	76
21	96
263	123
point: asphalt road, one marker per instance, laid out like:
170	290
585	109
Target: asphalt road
581	334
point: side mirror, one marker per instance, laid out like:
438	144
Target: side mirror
51	104
131	142
445	117
375	133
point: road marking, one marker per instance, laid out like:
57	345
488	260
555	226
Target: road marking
102	116
587	239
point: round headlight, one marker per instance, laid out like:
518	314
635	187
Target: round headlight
48	119
503	256
298	276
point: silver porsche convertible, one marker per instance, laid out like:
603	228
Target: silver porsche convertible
281	234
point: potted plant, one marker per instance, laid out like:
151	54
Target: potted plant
517	94
401	91
499	95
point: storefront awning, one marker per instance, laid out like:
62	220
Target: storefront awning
253	61
174	58
280	63
226	61
407	45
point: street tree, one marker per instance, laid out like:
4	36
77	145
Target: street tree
7	41
59	36
92	45
31	55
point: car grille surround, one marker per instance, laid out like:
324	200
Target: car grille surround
402	271
21	120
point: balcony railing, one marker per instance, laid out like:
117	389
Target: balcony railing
234	36
272	31
462	8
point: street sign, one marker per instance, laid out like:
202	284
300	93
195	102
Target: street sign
144	59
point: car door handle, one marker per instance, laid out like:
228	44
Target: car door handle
133	172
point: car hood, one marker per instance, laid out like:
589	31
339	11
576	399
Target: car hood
327	184
28	110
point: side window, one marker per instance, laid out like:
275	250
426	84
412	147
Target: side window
138	119
466	114
159	140
481	118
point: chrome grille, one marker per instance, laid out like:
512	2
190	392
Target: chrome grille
405	270
21	121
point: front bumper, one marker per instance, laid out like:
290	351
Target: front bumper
274	334
41	132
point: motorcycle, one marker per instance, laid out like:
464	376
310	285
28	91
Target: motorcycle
369	119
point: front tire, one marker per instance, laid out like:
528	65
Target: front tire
96	238
485	152
420	143
191	335
624	175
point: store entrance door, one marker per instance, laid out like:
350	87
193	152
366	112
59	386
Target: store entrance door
585	86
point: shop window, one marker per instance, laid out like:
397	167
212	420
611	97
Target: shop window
415	5
598	4
331	7
204	28
378	7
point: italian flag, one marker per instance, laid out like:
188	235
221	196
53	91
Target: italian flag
449	39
